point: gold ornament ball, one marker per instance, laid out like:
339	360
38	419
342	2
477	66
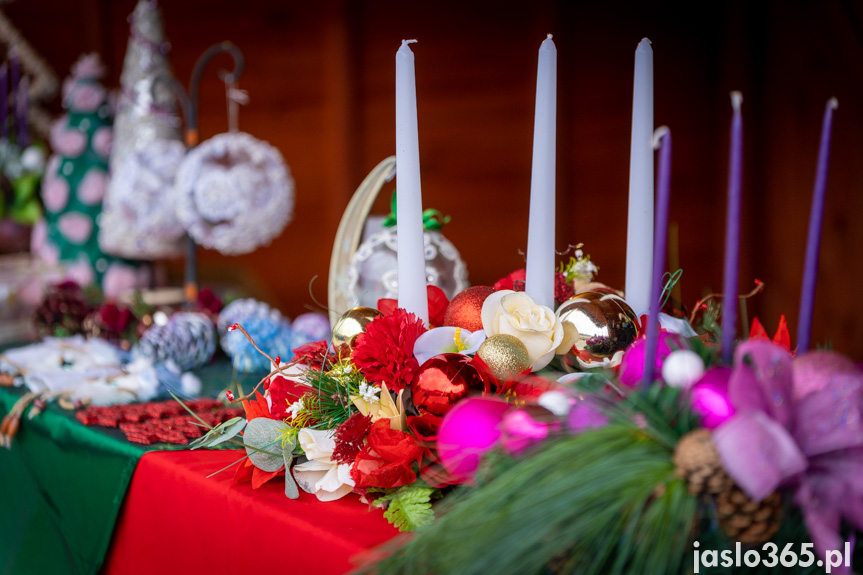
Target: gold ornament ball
505	355
604	322
350	325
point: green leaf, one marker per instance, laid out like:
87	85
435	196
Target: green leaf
25	188
28	213
221	433
262	433
409	507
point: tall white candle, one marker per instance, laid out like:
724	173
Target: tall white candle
639	235
539	272
411	253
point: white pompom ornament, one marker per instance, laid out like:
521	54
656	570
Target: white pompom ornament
682	368
234	193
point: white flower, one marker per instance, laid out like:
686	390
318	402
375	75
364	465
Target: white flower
296	407
369	392
516	314
447	340
320	475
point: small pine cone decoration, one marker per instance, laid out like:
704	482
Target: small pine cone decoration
748	521
62	311
697	461
188	339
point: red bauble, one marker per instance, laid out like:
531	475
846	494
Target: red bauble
442	381
465	309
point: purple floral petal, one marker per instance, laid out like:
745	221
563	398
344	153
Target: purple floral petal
832	418
757	453
762	380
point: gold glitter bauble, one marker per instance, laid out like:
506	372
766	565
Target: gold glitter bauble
465	309
350	325
604	322
505	355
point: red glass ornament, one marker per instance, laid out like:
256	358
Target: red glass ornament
442	381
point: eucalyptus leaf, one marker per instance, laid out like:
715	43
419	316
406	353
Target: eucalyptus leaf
291	490
223	432
263	433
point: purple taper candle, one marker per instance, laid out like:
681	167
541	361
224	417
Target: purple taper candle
732	232
14	79
813	242
22	113
661	140
4	98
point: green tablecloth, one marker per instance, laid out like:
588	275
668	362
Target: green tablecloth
62	485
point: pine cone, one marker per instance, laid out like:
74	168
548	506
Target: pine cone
62	311
188	339
748	521
697	461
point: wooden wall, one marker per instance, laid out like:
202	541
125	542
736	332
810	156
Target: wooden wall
321	80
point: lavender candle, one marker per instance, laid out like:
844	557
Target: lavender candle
4	98
732	231
661	140
22	115
813	242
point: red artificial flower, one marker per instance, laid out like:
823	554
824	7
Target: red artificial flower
562	289
209	301
115	318
350	437
437	302
247	471
424	427
781	337
515	281
282	392
387	459
385	352
314	354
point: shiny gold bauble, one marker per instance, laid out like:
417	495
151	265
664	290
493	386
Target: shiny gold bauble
604	323
349	326
505	355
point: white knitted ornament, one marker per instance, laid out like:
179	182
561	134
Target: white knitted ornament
234	193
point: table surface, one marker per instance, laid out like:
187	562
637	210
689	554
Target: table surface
64	502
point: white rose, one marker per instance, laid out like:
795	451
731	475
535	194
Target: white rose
536	326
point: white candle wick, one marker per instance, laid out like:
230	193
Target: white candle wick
548	36
833	102
736	100
644	44
406	42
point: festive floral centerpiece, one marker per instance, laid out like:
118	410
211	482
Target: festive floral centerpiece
559	450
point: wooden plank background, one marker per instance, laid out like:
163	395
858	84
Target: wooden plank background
321	80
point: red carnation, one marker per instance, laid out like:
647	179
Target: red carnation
385	352
350	437
387	459
208	301
314	354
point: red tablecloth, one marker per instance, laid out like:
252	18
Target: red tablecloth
175	520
